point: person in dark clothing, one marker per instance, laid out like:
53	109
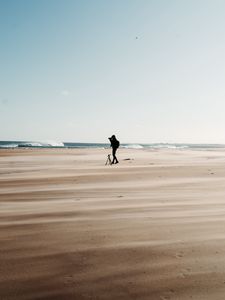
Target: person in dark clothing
115	145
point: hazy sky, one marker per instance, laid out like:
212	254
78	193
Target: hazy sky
145	70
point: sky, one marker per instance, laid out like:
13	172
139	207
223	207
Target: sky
81	70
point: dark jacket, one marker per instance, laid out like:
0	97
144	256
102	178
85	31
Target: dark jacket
114	142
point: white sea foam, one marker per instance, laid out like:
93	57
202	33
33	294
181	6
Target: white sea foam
167	146
54	143
42	144
132	146
9	145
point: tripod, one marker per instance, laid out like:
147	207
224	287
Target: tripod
108	161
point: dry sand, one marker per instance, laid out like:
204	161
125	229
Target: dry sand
152	227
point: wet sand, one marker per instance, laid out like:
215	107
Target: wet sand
151	227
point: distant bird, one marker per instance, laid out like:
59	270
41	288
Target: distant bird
136	38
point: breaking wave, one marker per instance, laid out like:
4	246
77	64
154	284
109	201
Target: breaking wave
47	144
132	146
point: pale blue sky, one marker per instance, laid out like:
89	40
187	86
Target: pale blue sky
145	70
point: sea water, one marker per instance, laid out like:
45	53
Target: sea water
55	144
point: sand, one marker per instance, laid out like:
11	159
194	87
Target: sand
151	227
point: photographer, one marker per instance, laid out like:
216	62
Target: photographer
115	145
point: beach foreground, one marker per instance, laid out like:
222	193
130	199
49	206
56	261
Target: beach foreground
151	227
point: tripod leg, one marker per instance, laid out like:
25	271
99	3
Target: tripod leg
108	161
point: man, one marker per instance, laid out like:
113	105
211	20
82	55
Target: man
115	145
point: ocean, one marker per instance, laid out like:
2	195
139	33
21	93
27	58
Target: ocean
53	144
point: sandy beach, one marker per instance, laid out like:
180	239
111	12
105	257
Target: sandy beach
151	227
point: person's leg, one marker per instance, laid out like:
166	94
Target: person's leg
113	155
115	160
